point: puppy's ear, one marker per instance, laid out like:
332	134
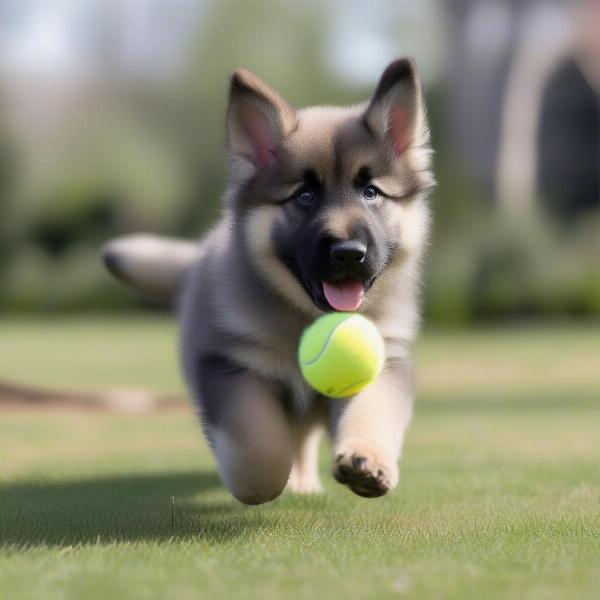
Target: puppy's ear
396	112
258	120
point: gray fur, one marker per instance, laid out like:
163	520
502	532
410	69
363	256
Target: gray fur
242	312
154	264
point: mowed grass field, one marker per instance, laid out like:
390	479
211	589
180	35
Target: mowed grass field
499	493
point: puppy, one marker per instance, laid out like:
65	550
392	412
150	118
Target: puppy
326	209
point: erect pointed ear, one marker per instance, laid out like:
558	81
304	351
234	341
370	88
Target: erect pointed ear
258	119
396	113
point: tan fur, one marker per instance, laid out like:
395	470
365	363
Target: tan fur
259	226
304	476
242	309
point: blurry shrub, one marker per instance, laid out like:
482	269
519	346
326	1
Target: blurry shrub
149	156
508	267
76	280
485	264
72	214
528	267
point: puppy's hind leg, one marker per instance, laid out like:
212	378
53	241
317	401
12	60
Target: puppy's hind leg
304	478
248	429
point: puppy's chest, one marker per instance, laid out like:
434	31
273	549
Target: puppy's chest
278	362
265	342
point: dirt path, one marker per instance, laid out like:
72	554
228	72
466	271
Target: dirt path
15	396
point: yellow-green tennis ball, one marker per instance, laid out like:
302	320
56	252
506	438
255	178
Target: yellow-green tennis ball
340	354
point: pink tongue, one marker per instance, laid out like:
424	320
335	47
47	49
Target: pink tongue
345	294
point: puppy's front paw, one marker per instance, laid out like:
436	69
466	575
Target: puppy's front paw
366	470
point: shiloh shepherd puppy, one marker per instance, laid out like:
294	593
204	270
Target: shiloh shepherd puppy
325	210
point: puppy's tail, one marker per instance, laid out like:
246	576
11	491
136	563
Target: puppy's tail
151	263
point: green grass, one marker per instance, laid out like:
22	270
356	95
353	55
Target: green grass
499	494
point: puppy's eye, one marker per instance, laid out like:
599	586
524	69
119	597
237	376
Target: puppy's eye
370	193
305	197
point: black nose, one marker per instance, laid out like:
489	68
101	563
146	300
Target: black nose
348	252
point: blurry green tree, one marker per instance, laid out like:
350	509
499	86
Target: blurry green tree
144	155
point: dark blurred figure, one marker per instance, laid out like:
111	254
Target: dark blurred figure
568	144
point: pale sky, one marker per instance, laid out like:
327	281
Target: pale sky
147	37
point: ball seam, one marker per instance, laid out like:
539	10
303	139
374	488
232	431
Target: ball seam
326	345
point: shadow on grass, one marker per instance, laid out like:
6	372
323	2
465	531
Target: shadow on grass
128	508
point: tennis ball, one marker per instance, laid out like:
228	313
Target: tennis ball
340	354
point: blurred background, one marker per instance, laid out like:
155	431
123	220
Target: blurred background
112	120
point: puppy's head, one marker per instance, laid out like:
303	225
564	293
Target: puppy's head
330	200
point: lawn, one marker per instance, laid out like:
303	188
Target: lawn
499	493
